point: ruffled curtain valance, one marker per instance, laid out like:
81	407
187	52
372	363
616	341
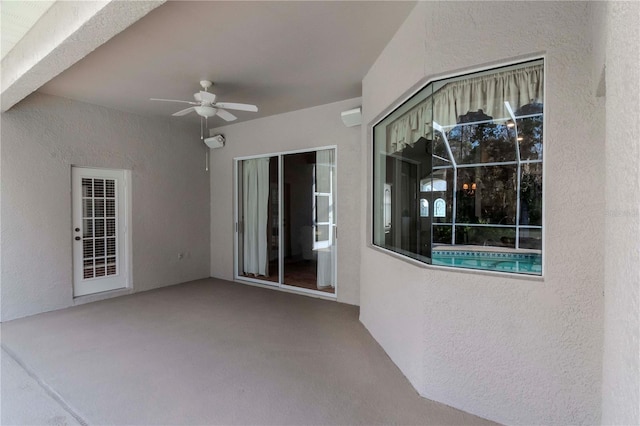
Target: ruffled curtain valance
487	92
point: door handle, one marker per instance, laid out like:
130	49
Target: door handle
78	238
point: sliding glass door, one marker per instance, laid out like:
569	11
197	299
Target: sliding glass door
285	220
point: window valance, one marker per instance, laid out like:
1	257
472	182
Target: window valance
488	93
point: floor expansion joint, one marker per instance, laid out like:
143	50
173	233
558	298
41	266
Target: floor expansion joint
48	389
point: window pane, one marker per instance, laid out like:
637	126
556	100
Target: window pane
486	142
401	226
99	224
441	148
111	266
100	271
87	269
486	236
87	248
110	191
87	208
442	234
111	228
531	194
530	132
324	171
87	228
87	187
99	208
487	195
322	208
98	188
531	238
111	207
111	246
99	247
322	233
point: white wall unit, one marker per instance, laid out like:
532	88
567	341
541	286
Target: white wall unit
42	138
299	130
515	350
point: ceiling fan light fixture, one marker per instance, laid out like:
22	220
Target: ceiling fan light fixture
205	105
206	111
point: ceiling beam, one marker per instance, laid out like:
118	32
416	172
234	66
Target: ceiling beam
65	34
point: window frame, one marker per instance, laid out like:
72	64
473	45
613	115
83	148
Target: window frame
404	99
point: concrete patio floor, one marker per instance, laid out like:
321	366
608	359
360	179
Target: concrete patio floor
206	352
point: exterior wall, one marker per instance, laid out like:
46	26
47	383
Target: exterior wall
307	128
42	137
512	349
621	369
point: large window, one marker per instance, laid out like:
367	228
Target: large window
458	172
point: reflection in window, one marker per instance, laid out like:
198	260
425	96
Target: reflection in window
439	208
471	147
424	208
387	206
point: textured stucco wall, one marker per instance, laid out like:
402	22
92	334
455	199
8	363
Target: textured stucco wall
302	129
621	360
515	350
42	137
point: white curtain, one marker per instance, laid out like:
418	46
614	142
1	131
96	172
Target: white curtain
255	202
486	92
325	184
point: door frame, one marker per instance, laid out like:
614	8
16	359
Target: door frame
236	243
126	255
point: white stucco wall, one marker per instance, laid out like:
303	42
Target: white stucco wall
307	128
42	137
621	360
512	349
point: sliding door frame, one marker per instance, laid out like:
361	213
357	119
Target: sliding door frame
236	225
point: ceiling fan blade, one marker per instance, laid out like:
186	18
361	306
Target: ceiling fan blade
183	112
239	107
226	115
205	97
174	100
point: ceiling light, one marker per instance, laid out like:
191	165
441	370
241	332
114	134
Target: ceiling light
206	111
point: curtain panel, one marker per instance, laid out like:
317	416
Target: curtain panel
255	201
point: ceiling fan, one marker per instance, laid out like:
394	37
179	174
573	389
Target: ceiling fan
205	105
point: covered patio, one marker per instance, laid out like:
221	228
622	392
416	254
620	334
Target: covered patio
207	352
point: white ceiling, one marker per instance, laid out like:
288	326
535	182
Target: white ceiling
281	56
17	17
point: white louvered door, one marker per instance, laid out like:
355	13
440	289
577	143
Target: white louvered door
98	233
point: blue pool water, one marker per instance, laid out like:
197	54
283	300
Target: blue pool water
523	263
